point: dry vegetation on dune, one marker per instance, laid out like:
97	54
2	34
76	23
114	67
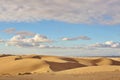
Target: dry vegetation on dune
37	67
5	55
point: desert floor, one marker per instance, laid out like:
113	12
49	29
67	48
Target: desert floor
39	67
93	76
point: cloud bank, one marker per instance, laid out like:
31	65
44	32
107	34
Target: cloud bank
107	44
41	41
72	11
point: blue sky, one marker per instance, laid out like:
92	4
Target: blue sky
57	30
54	28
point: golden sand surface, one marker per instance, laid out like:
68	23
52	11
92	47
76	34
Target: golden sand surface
21	67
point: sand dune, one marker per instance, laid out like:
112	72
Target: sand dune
91	69
16	64
105	61
33	64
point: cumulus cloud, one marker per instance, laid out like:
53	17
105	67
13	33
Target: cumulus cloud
37	41
22	41
107	44
73	11
76	38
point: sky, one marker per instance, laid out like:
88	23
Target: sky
55	27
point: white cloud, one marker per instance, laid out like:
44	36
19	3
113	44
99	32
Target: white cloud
41	38
73	11
22	41
76	38
17	38
44	46
107	44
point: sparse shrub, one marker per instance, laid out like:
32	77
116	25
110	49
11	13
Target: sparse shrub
26	73
18	58
5	55
19	73
37	57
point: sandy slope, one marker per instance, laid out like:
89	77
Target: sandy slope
18	64
91	69
32	64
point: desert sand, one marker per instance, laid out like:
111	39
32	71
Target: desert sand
40	67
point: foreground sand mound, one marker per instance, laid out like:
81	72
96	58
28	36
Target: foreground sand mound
15	65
